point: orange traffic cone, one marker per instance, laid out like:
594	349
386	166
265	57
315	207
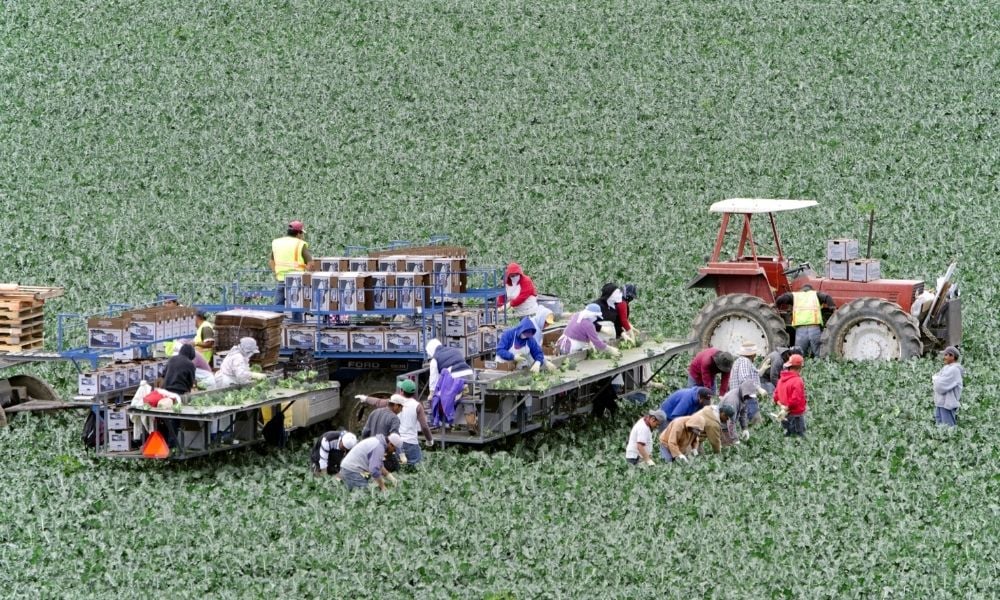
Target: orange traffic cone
155	446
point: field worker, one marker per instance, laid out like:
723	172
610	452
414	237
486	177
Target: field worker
715	418
442	359
611	296
235	369
629	293
948	388
791	394
685	402
412	419
519	298
681	437
203	377
542	318
204	338
581	333
706	365
179	376
739	399
288	253
329	450
770	370
366	459
807	316
745	370
640	439
518	345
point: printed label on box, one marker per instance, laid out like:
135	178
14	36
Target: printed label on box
87	384
300	338
403	340
333	341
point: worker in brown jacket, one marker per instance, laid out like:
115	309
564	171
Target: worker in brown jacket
681	437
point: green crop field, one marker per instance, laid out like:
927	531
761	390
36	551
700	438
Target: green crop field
148	145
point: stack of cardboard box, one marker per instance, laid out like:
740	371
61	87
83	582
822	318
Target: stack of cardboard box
462	331
263	326
120	377
844	262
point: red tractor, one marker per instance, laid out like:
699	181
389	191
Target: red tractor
880	319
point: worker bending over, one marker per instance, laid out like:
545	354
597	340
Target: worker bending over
329	450
518	344
366	460
807	316
235	369
581	333
640	439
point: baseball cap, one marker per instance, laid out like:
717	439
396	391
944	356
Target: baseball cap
659	415
407	386
727	409
349	440
297	226
952	351
395	440
794	360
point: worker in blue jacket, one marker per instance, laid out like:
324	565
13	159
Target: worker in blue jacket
518	344
685	402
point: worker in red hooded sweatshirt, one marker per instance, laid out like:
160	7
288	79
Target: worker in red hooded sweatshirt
519	293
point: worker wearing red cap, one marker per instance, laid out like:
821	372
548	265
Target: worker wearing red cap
288	253
791	395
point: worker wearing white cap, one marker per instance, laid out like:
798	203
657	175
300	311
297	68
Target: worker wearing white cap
365	460
329	450
235	369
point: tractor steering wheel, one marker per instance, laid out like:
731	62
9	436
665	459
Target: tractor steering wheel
797	270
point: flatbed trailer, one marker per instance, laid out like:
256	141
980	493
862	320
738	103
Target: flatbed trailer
510	403
234	426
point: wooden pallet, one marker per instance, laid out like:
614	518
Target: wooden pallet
20	347
13	312
9	328
32	292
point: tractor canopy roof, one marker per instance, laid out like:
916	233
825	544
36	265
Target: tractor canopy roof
758	205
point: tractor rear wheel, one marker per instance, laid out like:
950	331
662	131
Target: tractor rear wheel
871	329
726	322
353	412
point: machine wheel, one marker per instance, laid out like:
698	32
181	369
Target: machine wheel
353	412
729	320
871	329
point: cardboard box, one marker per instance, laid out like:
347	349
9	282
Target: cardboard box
149	372
126	355
296	289
837	269
121	377
473	344
333	340
107	333
87	384
367	340
390	264
144	326
362	264
865	269
450	276
134	373
332	263
300	337
105	381
383	290
414	290
355	291
493	365
119	441
461	323
419	264
320	298
403	340
489	337
842	249
117	420
161	368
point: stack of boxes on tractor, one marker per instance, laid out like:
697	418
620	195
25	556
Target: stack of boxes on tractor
22	321
843	262
468	331
262	326
397	284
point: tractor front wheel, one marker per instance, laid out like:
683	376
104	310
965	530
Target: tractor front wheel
726	322
871	329
353	412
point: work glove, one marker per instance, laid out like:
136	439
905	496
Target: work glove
391	479
362	397
508	307
429	443
649	462
681	458
694	452
761	393
519	358
550	366
402	458
258	376
627	335
745	435
614	351
535	367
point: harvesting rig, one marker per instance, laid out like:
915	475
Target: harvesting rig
886	319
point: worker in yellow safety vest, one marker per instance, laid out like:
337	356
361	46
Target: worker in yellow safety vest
807	316
288	253
204	338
